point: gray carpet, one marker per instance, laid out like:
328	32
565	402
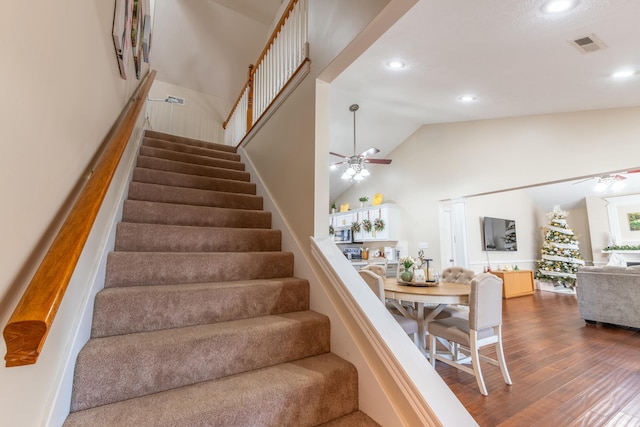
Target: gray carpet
201	322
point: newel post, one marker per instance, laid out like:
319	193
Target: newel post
250	98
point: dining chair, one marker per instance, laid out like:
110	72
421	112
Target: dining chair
482	328
460	275
376	284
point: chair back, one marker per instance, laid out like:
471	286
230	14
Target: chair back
375	282
457	275
485	302
378	269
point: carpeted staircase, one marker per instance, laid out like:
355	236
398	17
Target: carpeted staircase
201	322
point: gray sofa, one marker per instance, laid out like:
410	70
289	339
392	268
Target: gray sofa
609	295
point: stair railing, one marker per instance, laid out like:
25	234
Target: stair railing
280	63
28	326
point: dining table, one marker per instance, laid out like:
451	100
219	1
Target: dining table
438	295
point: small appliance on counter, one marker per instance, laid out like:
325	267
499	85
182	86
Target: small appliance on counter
352	253
390	253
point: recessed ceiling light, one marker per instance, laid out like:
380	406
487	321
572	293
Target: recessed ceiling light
623	74
467	98
395	64
558	6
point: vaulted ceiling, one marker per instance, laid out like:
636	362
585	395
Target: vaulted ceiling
514	58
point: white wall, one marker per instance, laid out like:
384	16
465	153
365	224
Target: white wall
62	92
200	117
451	160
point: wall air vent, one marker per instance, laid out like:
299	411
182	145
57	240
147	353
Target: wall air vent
589	43
174	100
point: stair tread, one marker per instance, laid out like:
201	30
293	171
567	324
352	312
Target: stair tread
300	393
162	268
185	180
126	366
190	149
132	236
190	158
191	141
148	308
150	162
192	196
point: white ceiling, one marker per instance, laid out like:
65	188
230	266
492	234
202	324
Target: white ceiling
515	59
192	37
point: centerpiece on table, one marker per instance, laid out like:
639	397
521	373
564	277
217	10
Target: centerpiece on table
407	263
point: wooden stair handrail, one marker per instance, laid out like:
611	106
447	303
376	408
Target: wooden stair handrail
28	326
254	68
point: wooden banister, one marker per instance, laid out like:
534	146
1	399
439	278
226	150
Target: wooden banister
253	68
27	329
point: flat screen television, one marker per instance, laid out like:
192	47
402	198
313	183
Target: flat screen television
499	234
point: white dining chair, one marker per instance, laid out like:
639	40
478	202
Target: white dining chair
376	284
482	328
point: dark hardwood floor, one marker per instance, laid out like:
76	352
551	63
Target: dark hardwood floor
564	372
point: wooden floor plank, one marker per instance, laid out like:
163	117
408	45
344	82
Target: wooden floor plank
564	372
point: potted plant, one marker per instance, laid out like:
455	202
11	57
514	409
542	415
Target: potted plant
363	200
407	263
333	208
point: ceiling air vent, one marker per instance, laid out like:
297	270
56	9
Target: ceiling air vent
588	44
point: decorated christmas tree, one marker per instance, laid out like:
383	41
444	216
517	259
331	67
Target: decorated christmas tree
560	251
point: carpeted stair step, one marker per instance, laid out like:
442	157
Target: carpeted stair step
186	168
354	419
126	310
118	368
175	214
165	268
190	141
153	176
303	393
190	158
176	238
190	196
190	149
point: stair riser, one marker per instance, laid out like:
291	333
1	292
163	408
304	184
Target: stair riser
172	214
190	158
153	176
130	366
189	141
143	268
308	392
165	238
188	196
180	167
190	149
152	308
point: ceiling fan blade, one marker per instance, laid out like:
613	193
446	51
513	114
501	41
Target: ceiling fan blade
339	163
338	155
378	161
370	152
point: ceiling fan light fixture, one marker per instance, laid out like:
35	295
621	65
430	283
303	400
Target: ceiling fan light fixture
609	182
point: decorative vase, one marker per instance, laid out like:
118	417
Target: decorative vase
406	276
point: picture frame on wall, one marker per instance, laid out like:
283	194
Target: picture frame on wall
136	38
146	31
634	221
122	23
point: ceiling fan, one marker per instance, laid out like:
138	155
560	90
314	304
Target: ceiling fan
356	169
613	181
